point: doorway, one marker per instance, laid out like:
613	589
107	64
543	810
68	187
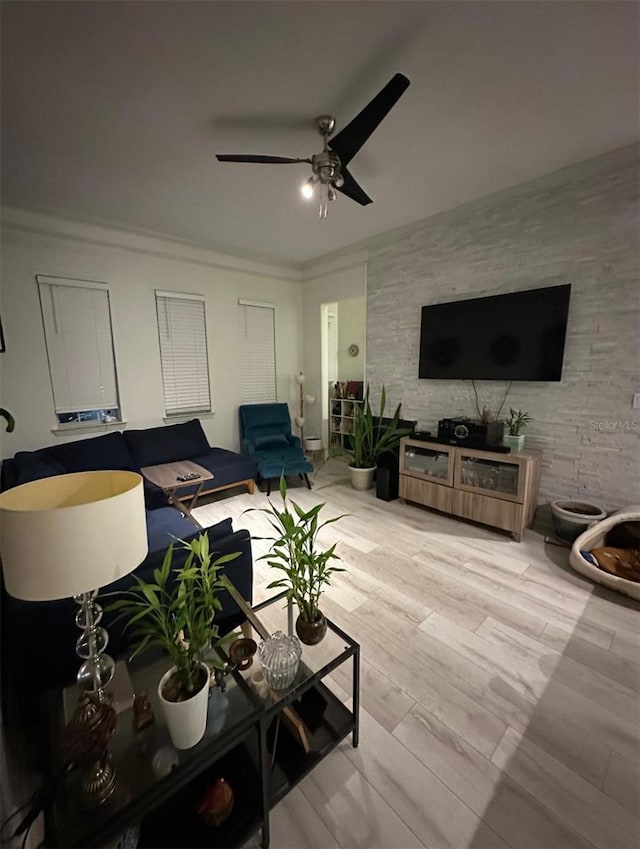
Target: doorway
342	338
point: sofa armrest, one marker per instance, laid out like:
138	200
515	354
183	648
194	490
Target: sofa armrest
294	441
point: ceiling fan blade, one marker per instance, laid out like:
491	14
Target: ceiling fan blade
350	139
353	190
269	160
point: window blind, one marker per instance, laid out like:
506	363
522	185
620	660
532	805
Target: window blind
258	353
77	327
183	353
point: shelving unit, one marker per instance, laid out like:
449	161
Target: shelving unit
495	489
341	413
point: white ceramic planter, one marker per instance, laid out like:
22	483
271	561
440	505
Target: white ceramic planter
515	443
361	479
186	721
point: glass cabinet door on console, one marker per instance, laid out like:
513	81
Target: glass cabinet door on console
428	461
490	475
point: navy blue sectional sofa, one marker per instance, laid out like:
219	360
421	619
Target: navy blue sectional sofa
130	450
38	638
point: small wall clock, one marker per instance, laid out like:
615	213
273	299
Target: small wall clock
354	350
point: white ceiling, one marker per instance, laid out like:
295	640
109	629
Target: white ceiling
112	111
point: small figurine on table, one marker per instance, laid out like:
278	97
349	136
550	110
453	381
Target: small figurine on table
217	803
142	711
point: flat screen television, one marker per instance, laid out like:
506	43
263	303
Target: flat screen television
519	336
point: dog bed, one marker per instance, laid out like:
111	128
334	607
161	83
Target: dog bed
596	536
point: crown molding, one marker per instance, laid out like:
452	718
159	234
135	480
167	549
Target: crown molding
344	259
33	223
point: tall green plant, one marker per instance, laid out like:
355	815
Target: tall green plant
294	552
370	437
177	617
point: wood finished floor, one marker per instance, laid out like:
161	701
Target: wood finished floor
499	689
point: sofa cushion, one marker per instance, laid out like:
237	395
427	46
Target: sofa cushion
227	467
155	445
38	466
220	530
98	453
274	440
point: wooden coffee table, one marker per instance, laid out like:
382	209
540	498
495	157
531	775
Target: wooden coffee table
166	477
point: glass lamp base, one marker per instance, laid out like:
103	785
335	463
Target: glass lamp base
95	673
97	668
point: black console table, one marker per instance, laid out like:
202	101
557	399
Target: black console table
159	788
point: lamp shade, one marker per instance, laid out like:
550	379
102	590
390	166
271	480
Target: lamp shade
70	534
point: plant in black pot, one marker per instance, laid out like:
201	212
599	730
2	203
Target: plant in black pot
371	439
305	569
176	613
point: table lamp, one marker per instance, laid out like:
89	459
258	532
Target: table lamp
69	535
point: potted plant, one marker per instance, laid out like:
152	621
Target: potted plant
306	569
371	438
515	424
178	616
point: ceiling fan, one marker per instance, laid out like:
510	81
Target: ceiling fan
329	167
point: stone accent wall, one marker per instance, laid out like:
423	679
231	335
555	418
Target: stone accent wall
579	225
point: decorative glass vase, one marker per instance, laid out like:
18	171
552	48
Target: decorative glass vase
279	658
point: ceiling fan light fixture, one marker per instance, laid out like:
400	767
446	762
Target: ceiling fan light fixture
331	193
306	189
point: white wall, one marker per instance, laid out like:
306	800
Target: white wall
579	225
134	266
352	325
336	278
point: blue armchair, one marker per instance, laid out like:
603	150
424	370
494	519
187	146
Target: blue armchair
265	434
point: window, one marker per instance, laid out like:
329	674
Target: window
258	352
183	353
77	328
